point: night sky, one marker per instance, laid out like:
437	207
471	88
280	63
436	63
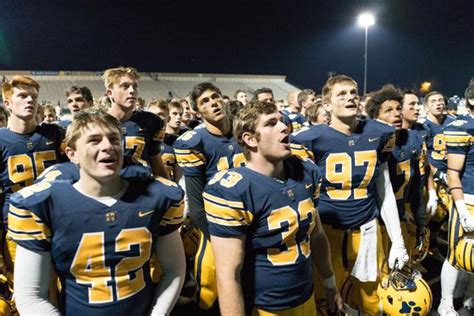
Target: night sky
412	41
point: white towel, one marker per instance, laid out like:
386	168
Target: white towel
365	266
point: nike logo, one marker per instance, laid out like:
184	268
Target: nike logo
373	139
49	143
145	213
308	186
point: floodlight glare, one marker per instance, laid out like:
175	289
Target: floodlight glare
366	19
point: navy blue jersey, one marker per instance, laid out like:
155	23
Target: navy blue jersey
101	253
167	154
199	153
436	146
349	167
277	218
25	156
143	134
459	136
69	171
297	120
404	166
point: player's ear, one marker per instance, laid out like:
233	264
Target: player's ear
249	139
71	154
327	107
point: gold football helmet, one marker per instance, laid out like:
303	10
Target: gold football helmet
465	253
405	292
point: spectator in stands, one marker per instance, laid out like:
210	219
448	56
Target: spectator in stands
263	94
50	115
306	98
316	114
3	117
160	108
225	99
241	95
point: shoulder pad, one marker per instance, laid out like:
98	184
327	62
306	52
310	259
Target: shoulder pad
190	139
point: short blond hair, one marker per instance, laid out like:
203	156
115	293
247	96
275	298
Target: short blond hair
88	116
113	75
331	82
17	82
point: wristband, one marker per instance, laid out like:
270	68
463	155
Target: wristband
330	283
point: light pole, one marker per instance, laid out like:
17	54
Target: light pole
365	20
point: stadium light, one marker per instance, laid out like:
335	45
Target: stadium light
366	20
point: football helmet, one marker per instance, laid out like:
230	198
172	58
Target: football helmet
6	303
465	253
405	292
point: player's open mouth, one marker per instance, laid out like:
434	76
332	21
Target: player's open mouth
286	140
351	106
108	160
132	99
397	123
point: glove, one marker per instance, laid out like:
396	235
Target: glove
398	255
432	202
466	219
422	244
441	177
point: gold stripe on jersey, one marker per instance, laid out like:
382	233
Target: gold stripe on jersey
226	213
301	151
189	158
25	225
174	215
454	138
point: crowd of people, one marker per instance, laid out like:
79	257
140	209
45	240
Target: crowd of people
325	204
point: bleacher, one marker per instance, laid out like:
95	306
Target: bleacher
152	85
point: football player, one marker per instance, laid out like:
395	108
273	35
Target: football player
26	148
404	165
142	131
3	117
439	201
201	153
77	98
294	110
173	124
101	244
264	224
352	156
459	136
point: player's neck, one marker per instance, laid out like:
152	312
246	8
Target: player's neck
20	126
345	126
171	130
93	187
406	124
120	113
437	119
221	128
261	165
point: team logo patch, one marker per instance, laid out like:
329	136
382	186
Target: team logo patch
29	144
111	216
291	194
351	142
